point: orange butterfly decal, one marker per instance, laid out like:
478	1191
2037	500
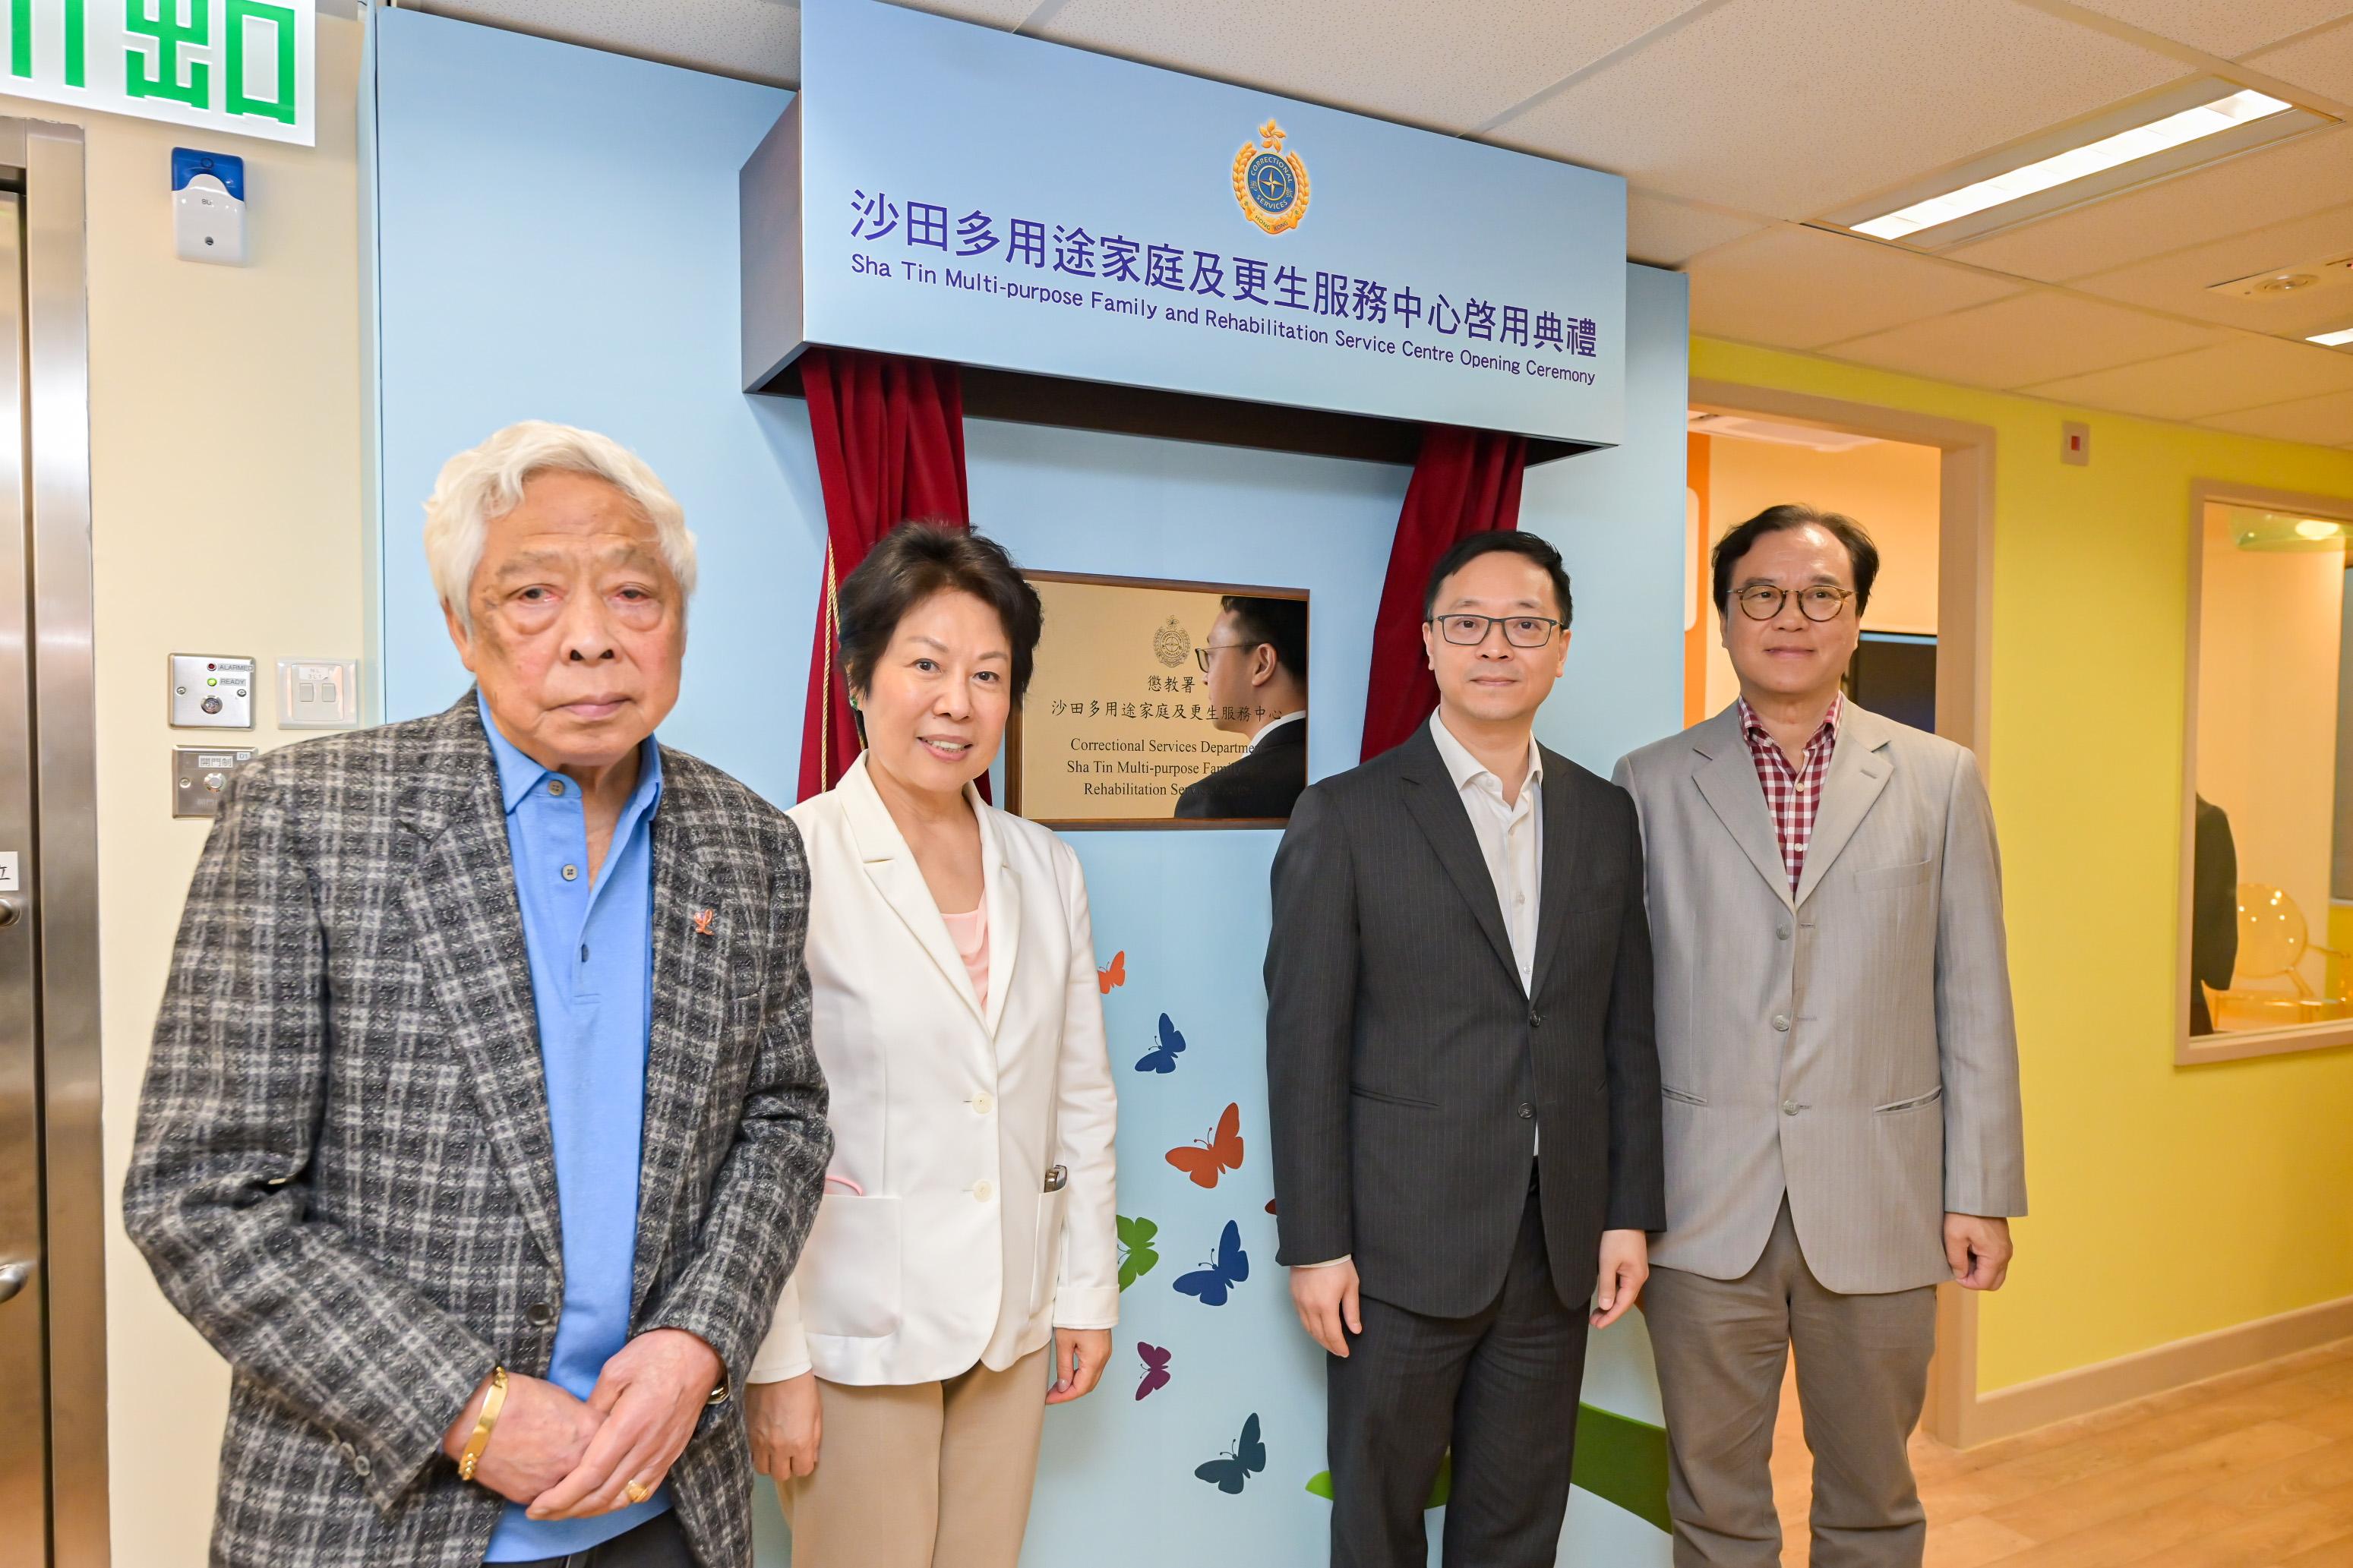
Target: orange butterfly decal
1204	1163
1112	974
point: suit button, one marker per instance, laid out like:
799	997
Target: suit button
1535	1020
1780	933
1790	1108
983	1190
1781	1022
982	1104
539	1314
1527	1112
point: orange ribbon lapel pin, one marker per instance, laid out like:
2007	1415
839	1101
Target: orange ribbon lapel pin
702	919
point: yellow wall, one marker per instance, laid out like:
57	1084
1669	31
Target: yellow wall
2167	1201
1889	487
224	435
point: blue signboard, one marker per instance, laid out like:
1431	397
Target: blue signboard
950	190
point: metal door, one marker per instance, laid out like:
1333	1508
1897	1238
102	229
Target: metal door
52	1300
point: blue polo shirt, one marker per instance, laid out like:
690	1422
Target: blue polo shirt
591	945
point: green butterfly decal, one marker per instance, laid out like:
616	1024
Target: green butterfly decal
1619	1459
1136	1254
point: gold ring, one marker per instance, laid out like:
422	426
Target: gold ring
637	1491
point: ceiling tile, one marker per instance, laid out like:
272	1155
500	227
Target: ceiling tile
2323	421
1800	288
1444	68
2323	62
2181	282
2244	372
758	40
2225	27
2025	340
2266	186
1664	231
1797	107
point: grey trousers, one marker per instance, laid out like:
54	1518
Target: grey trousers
1721	1346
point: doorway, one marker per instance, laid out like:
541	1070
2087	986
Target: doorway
52	1308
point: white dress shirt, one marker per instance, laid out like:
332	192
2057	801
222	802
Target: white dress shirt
1511	840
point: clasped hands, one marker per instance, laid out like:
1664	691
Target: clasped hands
572	1458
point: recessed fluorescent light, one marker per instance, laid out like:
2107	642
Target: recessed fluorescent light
2147	140
2332	340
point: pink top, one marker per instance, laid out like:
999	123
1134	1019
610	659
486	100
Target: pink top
969	932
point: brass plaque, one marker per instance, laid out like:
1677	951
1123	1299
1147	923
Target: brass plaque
1121	718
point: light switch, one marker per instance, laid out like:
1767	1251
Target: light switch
318	693
199	774
211	691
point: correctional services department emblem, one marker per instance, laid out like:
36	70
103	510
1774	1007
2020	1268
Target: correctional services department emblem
1171	645
1271	182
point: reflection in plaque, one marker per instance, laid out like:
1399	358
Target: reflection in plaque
1159	703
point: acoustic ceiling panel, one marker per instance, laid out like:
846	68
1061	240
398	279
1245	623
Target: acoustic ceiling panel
1795	107
2322	62
1665	232
758	40
2025	340
2269	185
1447	68
2325	421
1798	288
2245	372
2183	281
2226	27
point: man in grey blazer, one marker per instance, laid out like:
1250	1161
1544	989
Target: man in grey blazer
1462	1090
1837	1057
483	1126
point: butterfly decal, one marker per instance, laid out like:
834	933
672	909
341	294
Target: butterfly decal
1214	1281
1163	1057
1136	1253
1155	1368
1113	975
1249	1458
1206	1160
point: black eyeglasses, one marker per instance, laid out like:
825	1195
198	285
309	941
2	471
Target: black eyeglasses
1201	654
1470	631
1760	602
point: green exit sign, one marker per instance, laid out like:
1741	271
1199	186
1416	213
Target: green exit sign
246	66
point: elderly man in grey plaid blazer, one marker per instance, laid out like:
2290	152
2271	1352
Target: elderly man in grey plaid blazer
483	1126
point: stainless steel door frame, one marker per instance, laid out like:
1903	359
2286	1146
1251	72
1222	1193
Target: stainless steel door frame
24	1279
44	485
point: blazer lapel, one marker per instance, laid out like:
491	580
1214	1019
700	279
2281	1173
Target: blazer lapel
890	866
1437	810
1858	772
1564	829
696	925
461	902
1726	776
1004	904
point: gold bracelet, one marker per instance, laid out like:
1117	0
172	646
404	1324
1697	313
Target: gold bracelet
491	1404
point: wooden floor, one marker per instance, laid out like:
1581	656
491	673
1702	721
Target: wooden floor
2250	1471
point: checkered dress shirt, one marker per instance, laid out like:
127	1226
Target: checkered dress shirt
1792	794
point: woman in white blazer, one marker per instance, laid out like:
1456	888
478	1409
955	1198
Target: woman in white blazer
968	1220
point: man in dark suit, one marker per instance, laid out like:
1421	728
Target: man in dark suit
1256	659
2213	911
1463	1087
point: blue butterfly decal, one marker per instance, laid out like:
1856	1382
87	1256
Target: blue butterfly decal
1248	1459
1213	1282
1163	1057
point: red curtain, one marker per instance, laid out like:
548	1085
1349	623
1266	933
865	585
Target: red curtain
890	447
1464	482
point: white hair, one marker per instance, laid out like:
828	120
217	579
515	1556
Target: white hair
487	483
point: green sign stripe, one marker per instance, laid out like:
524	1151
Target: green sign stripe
76	41
20	37
1620	1460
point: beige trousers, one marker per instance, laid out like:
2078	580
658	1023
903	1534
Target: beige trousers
1862	1373
925	1474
